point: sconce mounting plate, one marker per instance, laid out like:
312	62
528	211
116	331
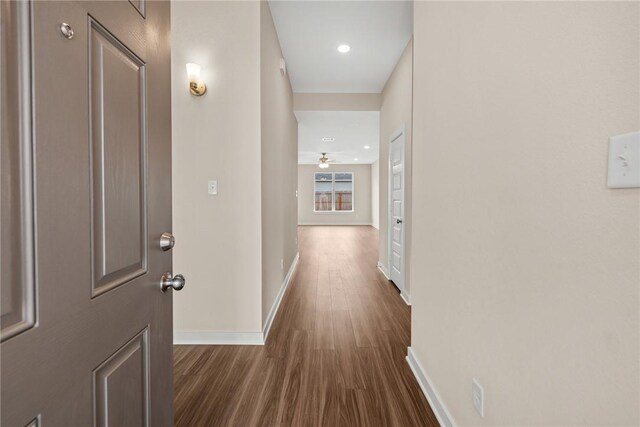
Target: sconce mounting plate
197	88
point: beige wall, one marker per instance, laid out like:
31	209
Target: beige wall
241	131
396	112
279	166
217	136
375	194
362	196
336	101
526	268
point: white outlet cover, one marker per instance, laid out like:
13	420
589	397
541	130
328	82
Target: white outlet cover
212	187
624	161
477	397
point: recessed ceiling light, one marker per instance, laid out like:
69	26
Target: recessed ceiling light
344	48
366	147
355	160
328	139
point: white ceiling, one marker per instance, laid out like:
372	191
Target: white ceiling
352	130
310	32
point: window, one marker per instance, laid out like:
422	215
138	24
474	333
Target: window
333	192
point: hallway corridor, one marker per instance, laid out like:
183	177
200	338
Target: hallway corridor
335	354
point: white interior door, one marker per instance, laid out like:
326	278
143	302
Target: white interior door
396	209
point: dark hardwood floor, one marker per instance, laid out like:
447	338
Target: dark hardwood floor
335	355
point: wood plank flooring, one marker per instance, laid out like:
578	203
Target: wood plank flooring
335	355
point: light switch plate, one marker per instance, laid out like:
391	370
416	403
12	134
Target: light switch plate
624	161
212	187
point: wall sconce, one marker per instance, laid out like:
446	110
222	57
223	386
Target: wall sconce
196	85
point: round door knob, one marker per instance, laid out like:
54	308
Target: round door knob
176	283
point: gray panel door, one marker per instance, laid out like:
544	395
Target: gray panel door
86	194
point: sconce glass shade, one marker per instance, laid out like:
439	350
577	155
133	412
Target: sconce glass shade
193	71
196	85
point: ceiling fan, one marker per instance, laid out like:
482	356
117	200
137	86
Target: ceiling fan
323	162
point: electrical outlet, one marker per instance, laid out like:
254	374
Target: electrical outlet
212	187
281	264
477	396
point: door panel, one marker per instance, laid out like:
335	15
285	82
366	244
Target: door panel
118	131
17	282
102	199
397	204
139	5
121	385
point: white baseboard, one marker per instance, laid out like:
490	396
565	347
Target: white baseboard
335	223
383	269
217	338
406	297
437	405
276	303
